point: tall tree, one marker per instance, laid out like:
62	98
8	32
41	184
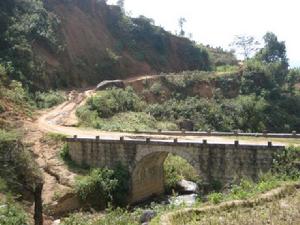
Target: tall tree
181	22
245	45
274	55
274	50
121	3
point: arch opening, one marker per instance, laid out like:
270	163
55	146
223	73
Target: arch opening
158	172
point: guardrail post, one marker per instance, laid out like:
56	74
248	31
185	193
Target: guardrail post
265	133
159	130
269	143
208	132
294	133
236	133
183	131
97	138
236	143
75	136
122	139
204	141
147	140
175	140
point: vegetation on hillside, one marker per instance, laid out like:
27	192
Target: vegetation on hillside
31	38
118	109
267	100
23	23
150	43
103	186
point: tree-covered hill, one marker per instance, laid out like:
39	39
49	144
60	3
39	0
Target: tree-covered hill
54	43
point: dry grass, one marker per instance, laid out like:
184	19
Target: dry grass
285	211
288	141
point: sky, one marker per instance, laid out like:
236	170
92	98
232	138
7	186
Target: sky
216	22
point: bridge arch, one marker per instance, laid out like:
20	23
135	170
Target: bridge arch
147	176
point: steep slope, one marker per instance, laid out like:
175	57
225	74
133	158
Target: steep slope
54	43
102	43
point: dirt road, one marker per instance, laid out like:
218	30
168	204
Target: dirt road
62	119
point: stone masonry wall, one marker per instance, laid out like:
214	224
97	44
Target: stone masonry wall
144	159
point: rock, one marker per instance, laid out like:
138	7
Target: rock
69	202
147	216
56	222
186	125
187	187
109	84
188	200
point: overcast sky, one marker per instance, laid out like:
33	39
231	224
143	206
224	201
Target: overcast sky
216	22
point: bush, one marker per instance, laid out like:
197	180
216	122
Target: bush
64	152
8	136
49	99
215	198
285	163
12	214
108	103
116	216
102	186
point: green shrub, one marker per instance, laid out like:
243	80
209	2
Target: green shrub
117	216
227	68
12	214
64	152
113	101
285	163
215	197
49	99
6	136
103	185
156	88
56	137
1	108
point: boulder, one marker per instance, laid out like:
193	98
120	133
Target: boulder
109	84
188	200
147	216
56	222
187	187
186	125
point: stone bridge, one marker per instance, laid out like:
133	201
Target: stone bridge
144	160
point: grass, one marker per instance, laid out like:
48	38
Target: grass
288	141
247	189
285	211
130	122
6	136
54	137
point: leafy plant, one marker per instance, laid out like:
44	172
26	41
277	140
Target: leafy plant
49	99
12	214
102	186
108	103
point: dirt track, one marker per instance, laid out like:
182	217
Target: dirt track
62	119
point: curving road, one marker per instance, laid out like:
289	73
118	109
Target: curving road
62	119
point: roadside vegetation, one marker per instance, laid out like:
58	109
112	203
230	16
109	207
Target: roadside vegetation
266	99
285	211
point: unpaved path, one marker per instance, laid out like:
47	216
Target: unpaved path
62	119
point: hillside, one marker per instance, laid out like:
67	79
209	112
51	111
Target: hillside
54	44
